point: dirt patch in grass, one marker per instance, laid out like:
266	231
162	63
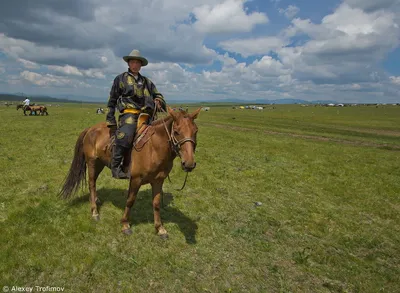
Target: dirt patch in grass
311	137
373	131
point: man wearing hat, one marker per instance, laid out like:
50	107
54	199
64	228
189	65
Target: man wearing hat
132	93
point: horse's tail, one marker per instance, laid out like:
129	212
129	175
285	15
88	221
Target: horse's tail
77	171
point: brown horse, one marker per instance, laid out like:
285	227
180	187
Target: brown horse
42	109
20	106
166	138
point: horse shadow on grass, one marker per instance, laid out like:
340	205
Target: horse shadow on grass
142	210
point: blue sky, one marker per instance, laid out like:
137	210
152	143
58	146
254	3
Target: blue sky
345	50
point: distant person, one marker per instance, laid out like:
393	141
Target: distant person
26	103
132	93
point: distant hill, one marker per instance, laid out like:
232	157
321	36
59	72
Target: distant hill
85	99
34	99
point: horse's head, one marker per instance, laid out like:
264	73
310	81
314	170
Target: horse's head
184	137
19	106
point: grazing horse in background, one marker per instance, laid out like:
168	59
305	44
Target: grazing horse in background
151	160
33	108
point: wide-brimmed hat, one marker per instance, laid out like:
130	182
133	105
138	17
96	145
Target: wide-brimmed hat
135	55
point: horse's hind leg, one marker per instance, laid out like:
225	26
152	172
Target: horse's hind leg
94	169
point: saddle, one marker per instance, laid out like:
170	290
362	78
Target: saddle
143	134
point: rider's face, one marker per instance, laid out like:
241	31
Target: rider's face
135	65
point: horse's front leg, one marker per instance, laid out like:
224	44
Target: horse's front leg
157	190
134	186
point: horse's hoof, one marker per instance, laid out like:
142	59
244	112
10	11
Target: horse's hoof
164	236
127	231
96	218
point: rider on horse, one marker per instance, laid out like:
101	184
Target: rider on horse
26	103
132	93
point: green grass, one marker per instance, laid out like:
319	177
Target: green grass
329	219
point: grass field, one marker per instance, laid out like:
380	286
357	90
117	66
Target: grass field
328	180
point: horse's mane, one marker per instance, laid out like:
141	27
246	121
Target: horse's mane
160	121
166	119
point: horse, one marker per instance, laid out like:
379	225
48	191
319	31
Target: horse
42	109
19	106
150	163
33	108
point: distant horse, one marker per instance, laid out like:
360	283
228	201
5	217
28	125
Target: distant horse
42	109
27	108
33	108
165	138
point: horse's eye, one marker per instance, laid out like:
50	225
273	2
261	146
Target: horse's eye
176	132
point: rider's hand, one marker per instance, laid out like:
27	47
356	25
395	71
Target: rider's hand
111	123
157	102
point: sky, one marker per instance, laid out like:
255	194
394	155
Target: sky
342	50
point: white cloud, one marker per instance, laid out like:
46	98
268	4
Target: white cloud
344	48
67	69
48	55
227	60
227	17
373	5
253	46
28	64
72	70
49	80
395	80
267	66
290	11
156	28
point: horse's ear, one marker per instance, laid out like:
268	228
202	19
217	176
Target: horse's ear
171	112
195	113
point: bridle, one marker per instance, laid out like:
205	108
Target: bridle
177	144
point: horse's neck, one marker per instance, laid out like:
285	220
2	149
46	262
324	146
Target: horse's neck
162	127
161	132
